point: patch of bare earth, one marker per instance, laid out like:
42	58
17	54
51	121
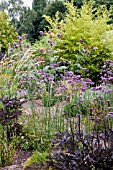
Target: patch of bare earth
20	158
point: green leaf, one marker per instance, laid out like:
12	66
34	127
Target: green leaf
78	65
62	68
46	68
54	59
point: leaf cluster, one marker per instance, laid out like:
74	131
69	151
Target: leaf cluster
11	108
7	32
78	150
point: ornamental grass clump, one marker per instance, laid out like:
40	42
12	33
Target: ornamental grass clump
17	57
42	121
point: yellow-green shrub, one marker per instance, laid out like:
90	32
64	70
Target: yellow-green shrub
88	25
7	32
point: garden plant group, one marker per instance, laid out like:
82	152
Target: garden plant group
56	95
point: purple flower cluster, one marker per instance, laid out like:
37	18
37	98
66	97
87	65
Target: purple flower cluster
86	49
43	33
59	35
106	73
72	86
18	45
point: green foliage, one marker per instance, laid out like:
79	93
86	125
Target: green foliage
43	45
50	10
105	2
37	132
37	157
54	7
48	101
6	153
7	31
77	3
88	102
88	25
82	105
38	6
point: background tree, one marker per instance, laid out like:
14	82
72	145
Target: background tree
38	6
21	17
77	3
55	6
48	8
25	23
14	9
3	5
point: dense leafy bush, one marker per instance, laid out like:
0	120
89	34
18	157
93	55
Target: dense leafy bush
78	150
86	40
85	153
7	32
